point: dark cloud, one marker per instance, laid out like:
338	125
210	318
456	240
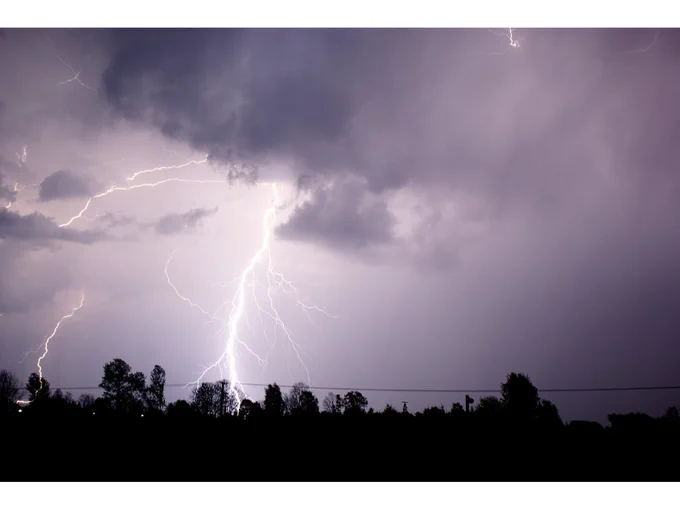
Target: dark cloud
39	229
180	223
396	107
340	215
64	184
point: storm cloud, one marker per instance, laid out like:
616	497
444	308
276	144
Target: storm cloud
37	228
469	208
64	184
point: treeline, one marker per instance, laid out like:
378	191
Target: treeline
132	433
127	393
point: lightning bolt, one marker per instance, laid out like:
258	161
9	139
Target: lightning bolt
509	34
75	77
183	298
54	332
513	42
22	157
170	167
114	189
246	280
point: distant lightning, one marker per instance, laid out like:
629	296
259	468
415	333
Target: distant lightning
22	156
54	332
513	42
509	34
75	77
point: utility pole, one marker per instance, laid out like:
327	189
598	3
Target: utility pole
404	409
222	399
468	402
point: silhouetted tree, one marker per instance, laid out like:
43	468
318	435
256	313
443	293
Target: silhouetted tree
274	405
155	392
249	409
547	413
300	400
10	390
292	398
206	399
434	412
339	404
309	404
123	389
457	408
390	411
328	404
354	402
489	406
180	409
672	414
86	400
519	396
33	387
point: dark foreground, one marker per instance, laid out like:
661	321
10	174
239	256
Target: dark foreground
90	448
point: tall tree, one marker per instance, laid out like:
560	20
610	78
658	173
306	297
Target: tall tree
155	393
274	404
300	400
123	389
10	390
519	396
35	389
206	399
354	402
329	403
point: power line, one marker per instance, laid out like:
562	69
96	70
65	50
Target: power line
421	390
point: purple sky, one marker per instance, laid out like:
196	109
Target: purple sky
465	208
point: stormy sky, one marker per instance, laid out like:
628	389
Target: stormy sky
461	207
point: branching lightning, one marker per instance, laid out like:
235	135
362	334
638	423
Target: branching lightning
233	324
75	77
114	189
54	332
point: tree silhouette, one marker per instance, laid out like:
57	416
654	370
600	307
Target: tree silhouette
309	404
489	406
456	408
274	404
33	387
214	399
155	392
547	413
249	409
206	399
339	404
300	400
86	400
390	411
180	409
328	404
519	396
10	390
123	389
354	402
